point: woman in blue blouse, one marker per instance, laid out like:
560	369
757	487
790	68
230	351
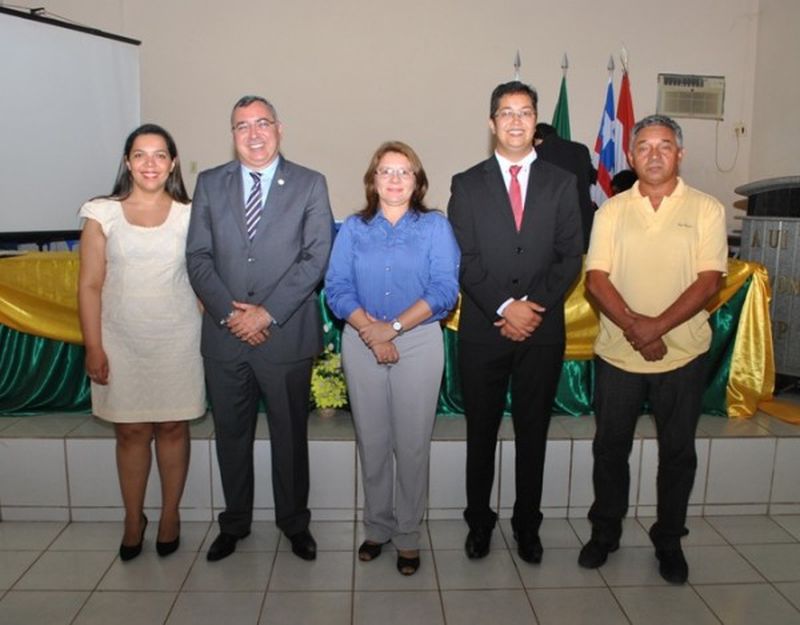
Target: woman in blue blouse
393	275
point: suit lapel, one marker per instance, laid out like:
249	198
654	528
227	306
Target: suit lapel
234	192
530	197
276	199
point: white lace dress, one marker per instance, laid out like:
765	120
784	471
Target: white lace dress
150	320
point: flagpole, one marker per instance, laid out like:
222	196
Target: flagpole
625	115
623	59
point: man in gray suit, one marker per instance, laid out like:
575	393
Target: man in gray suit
258	245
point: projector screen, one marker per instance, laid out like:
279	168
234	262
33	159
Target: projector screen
70	96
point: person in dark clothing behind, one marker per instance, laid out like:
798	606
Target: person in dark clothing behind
623	181
575	158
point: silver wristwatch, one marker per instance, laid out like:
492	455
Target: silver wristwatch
397	326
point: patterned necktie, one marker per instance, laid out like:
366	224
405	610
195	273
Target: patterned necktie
252	209
515	195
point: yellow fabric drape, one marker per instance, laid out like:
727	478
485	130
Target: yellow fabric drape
752	375
38	295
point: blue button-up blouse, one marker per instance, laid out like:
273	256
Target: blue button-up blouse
385	269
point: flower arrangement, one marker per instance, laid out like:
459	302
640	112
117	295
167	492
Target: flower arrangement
328	388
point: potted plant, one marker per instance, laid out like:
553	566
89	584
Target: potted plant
328	388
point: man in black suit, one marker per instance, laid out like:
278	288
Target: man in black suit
575	158
517	221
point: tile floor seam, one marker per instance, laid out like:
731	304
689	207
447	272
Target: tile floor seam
355	539
83	605
435	572
24	573
757	569
783	596
705	603
172	605
621	607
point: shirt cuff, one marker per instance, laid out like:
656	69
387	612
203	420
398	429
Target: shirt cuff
505	304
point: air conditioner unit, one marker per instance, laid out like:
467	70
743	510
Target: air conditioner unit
686	95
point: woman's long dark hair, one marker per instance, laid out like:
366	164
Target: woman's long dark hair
123	185
416	203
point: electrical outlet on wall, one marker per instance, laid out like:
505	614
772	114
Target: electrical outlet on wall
738	129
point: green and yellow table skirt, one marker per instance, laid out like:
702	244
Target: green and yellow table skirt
41	356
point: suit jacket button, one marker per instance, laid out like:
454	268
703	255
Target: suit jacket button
251	260
515	281
519	250
251	293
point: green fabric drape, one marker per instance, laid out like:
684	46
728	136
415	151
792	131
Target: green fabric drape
40	375
724	323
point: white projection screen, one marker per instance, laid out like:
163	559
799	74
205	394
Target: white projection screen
68	98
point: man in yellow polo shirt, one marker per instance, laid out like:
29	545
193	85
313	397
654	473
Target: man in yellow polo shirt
657	255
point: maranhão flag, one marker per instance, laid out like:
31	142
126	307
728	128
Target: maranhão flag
604	147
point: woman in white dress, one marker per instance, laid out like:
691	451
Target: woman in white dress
141	328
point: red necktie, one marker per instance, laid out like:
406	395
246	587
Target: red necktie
515	195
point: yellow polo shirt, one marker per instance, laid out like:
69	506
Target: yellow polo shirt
652	256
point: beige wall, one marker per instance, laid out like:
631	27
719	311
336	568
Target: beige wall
776	131
347	75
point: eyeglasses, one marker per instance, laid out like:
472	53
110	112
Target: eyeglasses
506	115
390	172
261	125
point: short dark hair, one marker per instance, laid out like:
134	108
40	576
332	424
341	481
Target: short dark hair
658	120
623	180
416	202
543	131
123	185
515	86
247	100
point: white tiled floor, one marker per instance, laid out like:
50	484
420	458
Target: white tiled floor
743	570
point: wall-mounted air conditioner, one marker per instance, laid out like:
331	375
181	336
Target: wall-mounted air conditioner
687	95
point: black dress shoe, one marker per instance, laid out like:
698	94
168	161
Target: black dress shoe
166	548
595	553
478	540
672	565
529	546
129	552
223	546
303	545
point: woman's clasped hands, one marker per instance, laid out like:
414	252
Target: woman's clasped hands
378	335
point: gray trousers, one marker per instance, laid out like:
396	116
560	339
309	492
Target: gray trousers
235	388
394	409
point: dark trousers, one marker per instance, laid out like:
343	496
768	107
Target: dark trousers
485	370
235	389
675	398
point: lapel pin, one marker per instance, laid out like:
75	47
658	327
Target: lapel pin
281	182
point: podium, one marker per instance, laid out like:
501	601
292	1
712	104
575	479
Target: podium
771	236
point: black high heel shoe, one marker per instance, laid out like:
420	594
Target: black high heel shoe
166	548
127	552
